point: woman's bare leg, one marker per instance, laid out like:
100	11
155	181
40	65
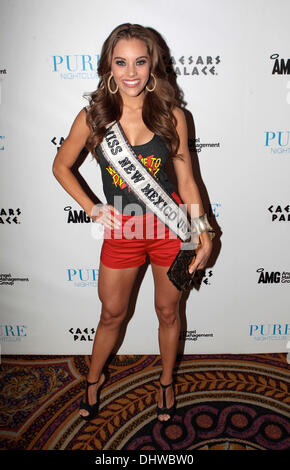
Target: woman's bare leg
167	298
114	288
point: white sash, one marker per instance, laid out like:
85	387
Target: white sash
119	153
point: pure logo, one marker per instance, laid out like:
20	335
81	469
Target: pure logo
269	331
83	277
76	66
2	138
278	141
12	332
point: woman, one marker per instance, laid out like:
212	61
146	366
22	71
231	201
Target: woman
134	91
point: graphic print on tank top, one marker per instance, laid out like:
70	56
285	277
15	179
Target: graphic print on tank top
151	162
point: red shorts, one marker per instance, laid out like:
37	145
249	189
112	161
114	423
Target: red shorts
127	246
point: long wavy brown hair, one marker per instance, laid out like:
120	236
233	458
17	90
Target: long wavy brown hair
105	107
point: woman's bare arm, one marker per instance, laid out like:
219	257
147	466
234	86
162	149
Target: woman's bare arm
188	190
61	168
187	187
66	157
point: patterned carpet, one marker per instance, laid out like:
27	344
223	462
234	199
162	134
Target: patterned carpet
224	402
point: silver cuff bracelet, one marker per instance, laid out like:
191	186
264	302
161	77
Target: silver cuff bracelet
201	224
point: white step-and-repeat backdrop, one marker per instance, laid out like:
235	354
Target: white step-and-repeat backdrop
231	60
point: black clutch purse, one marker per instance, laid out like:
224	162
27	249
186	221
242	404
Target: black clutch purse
178	271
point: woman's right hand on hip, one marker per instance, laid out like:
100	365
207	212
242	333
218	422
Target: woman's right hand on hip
106	214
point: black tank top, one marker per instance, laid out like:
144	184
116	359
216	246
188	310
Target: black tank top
153	155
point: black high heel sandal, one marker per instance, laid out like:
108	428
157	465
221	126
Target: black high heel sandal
164	410
84	405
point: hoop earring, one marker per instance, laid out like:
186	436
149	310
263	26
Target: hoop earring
110	89
152	89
